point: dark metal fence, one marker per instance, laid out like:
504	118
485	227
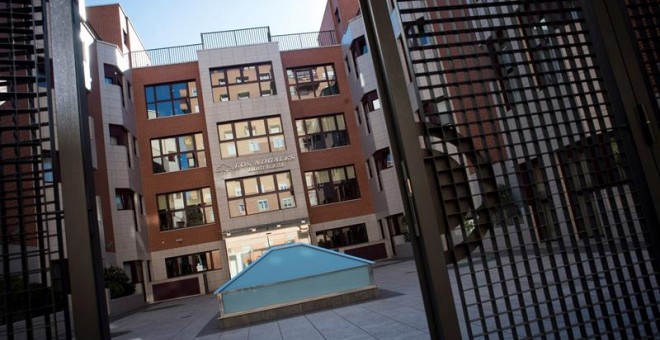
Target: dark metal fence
545	215
33	278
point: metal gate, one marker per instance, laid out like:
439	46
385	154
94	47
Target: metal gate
529	156
33	277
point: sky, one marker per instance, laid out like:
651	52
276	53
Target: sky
164	23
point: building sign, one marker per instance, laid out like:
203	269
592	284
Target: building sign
259	165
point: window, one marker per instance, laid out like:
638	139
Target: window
242	82
47	167
288	202
174	99
263	205
337	16
135	146
124	199
342	237
383	160
192	263
312	81
250	137
185	209
119	136
416	33
544	52
50	173
358	48
331	185
112	75
257	194
368	165
503	61
178	153
321	133
42	80
370	102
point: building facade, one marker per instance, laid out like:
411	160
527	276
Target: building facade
226	150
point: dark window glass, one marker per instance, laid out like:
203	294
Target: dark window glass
178	153
185	209
250	137
312	81
258	194
416	31
342	237
370	102
358	48
124	199
242	82
320	133
173	99
192	263
331	185
544	51
383	160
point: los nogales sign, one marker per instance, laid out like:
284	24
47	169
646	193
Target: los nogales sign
255	166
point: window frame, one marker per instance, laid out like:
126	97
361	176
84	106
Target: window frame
166	215
294	83
241	196
339	187
195	151
209	256
233	140
228	84
301	124
361	236
190	99
359	48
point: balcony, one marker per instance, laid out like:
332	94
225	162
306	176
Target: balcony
232	38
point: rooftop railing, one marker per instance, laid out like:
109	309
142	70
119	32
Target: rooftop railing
248	36
301	41
233	38
164	56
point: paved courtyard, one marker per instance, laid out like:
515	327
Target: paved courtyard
398	313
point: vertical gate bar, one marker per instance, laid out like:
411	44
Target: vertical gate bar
82	233
625	80
415	178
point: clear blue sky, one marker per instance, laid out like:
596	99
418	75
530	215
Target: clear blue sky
162	23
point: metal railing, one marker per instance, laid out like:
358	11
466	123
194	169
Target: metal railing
233	38
299	41
248	36
164	56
